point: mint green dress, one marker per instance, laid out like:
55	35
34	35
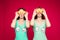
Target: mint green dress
39	34
20	30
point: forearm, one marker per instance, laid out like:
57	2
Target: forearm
32	21
13	22
47	20
27	23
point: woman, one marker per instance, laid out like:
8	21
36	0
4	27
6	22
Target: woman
40	21
20	23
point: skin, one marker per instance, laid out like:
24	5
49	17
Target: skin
21	20
39	20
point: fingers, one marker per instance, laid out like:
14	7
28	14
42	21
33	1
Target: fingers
26	15
44	11
16	14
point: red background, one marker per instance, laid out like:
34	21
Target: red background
7	13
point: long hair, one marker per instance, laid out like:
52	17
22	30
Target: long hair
19	18
41	17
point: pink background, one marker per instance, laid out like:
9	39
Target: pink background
7	13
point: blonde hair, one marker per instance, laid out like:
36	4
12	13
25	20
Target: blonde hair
21	11
39	10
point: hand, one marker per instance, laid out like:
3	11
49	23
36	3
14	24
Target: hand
16	15
26	15
44	12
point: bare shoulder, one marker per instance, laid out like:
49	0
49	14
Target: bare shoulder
43	20
35	20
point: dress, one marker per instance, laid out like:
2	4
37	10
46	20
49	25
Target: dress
20	30
39	31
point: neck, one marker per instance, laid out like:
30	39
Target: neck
21	19
39	18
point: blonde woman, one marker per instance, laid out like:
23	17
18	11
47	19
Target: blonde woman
20	23
39	22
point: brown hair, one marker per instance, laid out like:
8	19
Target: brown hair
41	16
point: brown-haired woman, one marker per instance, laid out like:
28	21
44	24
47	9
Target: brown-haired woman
39	22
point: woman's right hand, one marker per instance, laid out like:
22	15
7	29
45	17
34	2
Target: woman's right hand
16	14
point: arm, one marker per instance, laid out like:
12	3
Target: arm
46	18
14	21
27	21
32	20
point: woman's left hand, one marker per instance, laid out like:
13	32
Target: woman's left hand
26	15
44	12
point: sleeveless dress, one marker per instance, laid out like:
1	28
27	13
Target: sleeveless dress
39	31
20	30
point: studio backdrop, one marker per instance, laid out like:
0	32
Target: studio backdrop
9	7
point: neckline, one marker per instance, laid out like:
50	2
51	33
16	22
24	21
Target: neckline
21	24
41	22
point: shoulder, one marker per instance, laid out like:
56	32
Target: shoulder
17	20
35	19
44	20
24	20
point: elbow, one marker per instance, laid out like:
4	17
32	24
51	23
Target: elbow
49	25
28	26
31	24
12	26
